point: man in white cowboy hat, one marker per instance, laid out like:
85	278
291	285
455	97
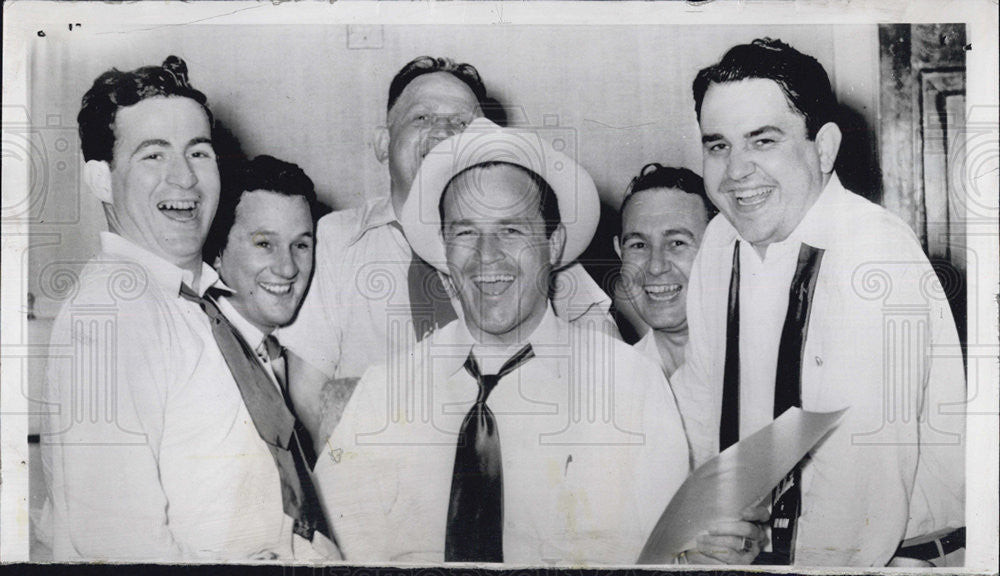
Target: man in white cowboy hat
593	447
370	295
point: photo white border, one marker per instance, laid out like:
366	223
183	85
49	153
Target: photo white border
23	19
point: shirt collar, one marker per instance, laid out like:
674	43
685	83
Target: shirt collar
550	332
166	274
251	334
375	213
816	228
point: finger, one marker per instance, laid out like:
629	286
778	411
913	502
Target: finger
737	528
755	514
728	549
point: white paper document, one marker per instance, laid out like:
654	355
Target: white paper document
740	476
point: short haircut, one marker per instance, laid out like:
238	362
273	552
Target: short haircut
801	78
548	203
116	89
654	175
421	65
261	173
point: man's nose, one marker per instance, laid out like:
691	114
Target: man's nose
659	262
739	165
489	249
284	264
180	173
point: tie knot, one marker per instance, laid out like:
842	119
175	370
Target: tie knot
272	347
487	382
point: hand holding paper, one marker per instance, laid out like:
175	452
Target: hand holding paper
734	480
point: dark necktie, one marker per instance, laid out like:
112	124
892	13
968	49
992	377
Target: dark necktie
729	425
430	306
475	511
787	497
275	422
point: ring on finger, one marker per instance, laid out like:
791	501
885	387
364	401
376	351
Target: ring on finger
747	545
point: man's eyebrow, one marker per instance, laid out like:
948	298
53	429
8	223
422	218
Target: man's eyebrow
678	231
705	138
631	235
148	143
763	130
200	140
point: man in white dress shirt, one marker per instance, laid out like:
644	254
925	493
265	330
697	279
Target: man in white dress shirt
805	294
663	218
261	243
371	297
592	445
149	451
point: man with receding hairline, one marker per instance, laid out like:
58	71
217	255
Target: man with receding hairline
371	296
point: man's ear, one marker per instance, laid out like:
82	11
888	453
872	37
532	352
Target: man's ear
618	247
97	175
828	145
557	243
381	143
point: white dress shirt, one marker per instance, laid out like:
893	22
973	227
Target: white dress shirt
881	340
320	548
648	348
357	312
148	450
591	441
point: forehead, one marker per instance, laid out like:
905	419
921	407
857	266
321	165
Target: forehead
486	193
264	208
663	208
160	117
434	88
747	105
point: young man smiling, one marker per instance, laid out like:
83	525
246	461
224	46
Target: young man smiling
161	462
261	243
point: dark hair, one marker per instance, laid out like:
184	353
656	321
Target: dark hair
261	173
654	175
116	89
801	78
421	65
548	203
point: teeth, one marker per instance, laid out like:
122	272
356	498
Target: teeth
489	278
663	291
279	289
177	205
753	196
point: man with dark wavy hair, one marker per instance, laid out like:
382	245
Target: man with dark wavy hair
780	316
370	294
663	218
153	452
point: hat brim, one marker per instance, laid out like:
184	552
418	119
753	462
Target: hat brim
483	142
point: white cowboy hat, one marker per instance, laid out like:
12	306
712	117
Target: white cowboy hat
483	141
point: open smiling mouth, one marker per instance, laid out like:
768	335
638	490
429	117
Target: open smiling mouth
276	289
493	284
663	292
753	196
179	210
